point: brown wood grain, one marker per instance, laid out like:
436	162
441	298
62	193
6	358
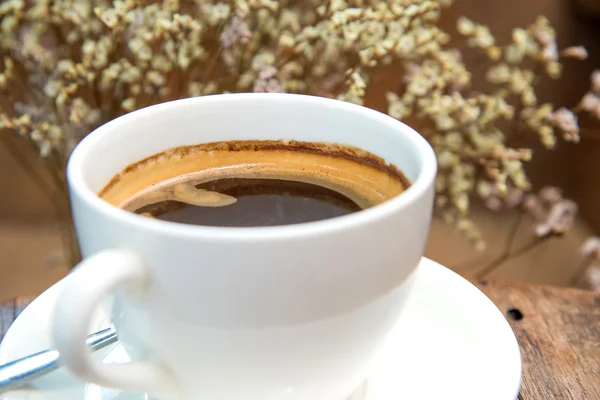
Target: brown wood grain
559	337
558	333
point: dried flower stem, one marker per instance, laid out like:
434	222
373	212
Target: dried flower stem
506	256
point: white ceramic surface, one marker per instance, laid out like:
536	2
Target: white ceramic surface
459	346
293	312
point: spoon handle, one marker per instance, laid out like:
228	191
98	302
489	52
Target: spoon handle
23	370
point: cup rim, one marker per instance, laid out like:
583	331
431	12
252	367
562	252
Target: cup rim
419	186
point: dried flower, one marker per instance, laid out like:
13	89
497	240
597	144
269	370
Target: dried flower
578	52
592	275
267	80
559	220
89	62
555	215
533	207
550	195
590	102
591	247
237	32
566	121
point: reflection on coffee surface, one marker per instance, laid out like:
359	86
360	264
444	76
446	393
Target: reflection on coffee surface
254	183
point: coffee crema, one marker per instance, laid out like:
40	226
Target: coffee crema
254	183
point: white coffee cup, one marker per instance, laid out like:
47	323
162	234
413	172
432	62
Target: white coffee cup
268	313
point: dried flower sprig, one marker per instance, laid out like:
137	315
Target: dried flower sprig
67	66
551	215
590	265
592	275
85	62
480	138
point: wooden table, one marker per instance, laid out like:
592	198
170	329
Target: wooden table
558	331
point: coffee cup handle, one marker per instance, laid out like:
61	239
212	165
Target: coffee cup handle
81	294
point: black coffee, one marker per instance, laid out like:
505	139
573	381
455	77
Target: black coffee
254	183
259	202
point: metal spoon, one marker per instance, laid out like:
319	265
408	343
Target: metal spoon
21	371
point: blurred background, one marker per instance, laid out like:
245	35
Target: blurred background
31	256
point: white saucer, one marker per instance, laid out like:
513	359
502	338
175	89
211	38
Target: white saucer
451	343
